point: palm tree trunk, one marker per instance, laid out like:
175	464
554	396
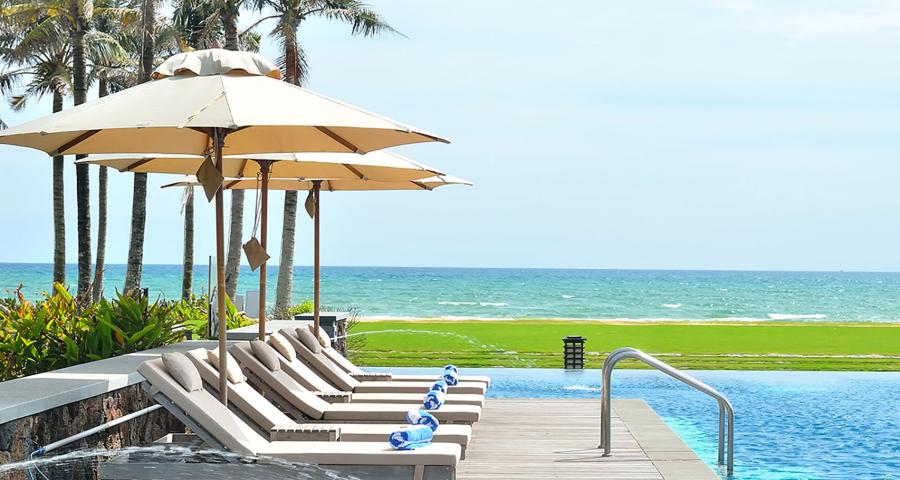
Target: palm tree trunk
285	285
59	208
82	177
102	175
229	20
139	193
187	272
236	229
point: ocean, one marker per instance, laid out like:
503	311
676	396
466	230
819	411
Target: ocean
487	293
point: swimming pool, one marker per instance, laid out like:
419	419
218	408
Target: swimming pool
788	425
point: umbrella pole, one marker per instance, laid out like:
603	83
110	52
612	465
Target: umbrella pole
263	236
218	141
317	184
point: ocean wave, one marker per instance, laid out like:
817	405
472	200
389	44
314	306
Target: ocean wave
568	296
792	316
455	304
671	305
493	304
427	317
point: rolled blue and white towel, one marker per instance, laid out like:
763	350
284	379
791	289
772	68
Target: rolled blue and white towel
433	400
451	367
451	375
421	417
411	437
440	385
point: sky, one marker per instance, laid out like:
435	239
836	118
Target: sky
719	134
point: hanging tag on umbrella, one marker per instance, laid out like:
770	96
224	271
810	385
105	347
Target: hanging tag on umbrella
310	204
210	178
255	253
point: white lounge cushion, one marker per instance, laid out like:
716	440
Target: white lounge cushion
232	369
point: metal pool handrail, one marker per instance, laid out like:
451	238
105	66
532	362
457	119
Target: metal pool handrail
725	408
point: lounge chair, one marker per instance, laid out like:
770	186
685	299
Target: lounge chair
221	428
256	410
299	401
345	382
346	365
308	378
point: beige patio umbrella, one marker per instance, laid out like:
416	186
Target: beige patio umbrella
205	103
314	186
381	165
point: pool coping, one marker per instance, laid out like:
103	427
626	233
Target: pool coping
31	395
671	456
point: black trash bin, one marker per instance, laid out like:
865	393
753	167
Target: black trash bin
573	352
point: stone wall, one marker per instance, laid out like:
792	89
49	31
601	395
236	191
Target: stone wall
18	437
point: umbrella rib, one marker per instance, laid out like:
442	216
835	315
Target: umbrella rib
243	167
420	185
339	139
84	136
231	184
137	164
355	171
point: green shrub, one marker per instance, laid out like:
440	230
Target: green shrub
301	308
59	331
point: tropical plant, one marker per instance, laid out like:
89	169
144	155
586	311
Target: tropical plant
288	16
60	330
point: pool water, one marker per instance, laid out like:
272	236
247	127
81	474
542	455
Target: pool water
788	425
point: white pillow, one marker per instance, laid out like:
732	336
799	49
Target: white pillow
265	354
309	340
281	344
183	371
324	340
232	369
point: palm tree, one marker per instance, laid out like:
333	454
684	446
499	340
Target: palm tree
112	73
38	48
81	13
187	272
134	266
39	52
202	23
288	16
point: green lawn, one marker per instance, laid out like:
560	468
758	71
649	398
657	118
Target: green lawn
537	343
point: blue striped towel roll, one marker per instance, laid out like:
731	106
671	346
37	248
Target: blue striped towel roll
433	400
411	437
451	376
440	385
421	417
451	367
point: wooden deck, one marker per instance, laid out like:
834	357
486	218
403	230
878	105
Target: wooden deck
543	439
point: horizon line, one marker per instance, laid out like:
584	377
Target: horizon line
608	269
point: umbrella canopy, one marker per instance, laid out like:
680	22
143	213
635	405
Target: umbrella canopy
313	204
238	92
331	185
385	167
382	166
208	102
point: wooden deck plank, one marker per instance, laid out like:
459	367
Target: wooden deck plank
540	439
